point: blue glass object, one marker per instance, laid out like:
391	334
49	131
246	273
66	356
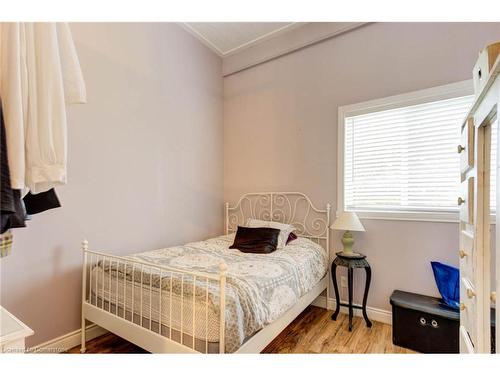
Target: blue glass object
448	283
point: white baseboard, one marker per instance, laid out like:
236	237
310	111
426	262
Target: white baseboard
65	342
378	315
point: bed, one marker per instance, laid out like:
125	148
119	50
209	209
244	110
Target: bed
203	297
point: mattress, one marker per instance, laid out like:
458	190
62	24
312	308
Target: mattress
259	289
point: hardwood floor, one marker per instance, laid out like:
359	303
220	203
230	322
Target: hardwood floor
311	332
109	344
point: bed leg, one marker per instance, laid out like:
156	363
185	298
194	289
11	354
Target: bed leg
328	272
85	247
83	347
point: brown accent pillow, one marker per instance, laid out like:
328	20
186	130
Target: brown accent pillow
292	236
256	240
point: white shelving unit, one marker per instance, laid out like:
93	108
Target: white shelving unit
479	275
13	333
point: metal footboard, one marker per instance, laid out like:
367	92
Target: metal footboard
159	308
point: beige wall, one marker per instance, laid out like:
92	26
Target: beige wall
145	166
280	130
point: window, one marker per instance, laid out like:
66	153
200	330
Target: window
399	154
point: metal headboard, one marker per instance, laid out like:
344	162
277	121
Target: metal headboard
285	207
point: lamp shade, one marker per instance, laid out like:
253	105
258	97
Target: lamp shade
348	221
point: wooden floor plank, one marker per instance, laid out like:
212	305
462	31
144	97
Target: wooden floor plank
312	331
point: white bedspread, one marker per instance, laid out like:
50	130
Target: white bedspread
260	287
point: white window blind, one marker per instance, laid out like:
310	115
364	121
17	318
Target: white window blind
404	159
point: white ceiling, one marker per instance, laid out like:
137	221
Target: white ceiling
226	38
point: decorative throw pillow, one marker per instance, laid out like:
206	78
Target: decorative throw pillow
256	240
292	236
285	229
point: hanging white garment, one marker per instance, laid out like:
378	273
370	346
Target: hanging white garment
13	93
35	88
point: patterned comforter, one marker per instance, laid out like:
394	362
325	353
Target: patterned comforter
260	287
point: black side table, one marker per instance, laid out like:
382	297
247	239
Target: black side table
351	262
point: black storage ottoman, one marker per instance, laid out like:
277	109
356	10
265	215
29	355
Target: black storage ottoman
424	324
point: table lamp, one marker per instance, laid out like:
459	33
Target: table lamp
348	221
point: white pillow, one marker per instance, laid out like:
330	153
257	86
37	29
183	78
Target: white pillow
285	229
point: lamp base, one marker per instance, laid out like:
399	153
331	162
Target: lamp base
350	255
348	241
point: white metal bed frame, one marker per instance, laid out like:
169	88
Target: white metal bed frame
294	208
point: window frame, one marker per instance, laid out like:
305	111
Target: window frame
453	90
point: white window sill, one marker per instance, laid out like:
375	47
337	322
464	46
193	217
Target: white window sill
434	217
